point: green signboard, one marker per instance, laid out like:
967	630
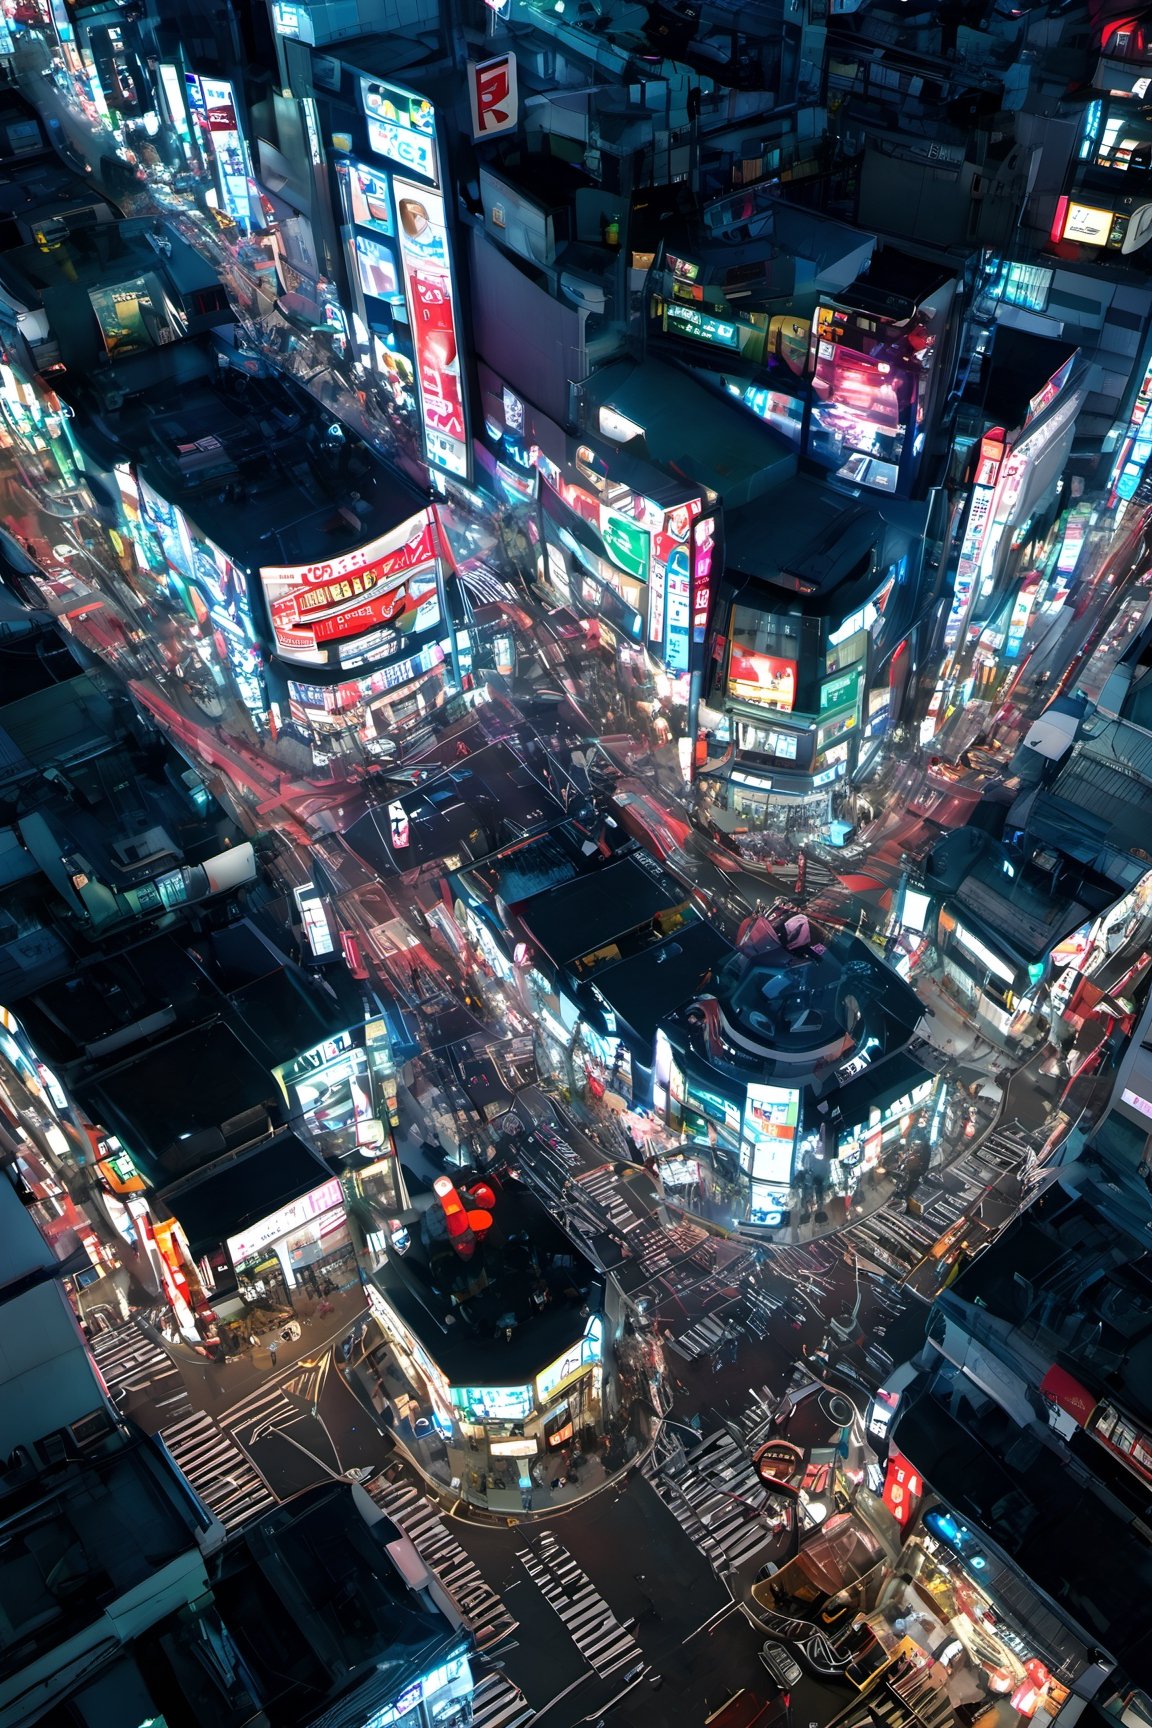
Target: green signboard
841	691
626	543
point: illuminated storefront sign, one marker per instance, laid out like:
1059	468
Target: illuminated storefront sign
903	1487
584	1354
391	581
401	128
768	1135
979	951
626	543
1083	223
493	1403
492	94
700	326
762	678
704	541
253	1242
424	252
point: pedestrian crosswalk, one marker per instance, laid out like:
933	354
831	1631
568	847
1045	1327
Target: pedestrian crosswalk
607	1193
717	1497
498	1703
218	1470
897	1243
221	1473
420	1521
700	1339
604	1642
131	1362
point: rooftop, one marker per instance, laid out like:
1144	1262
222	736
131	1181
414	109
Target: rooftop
502	1316
696	432
320	1612
587	917
172	1104
251	462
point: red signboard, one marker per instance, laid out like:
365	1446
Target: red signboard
903	1487
762	678
423	237
384	582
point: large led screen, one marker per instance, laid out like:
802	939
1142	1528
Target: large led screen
762	678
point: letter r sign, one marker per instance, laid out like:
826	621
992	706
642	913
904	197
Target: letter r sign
492	89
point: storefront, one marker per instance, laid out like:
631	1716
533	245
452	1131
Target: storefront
416	1366
304	1245
346	1088
970	1639
360	645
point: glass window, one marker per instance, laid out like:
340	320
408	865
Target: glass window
1024	285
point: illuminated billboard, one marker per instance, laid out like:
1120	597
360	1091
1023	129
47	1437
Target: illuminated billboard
257	1239
213	102
768	1134
762	678
390	581
493	1403
128	317
377	267
586	1351
401	128
842	690
369	200
860	408
425	254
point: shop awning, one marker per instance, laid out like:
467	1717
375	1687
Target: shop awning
240	1194
1068	1394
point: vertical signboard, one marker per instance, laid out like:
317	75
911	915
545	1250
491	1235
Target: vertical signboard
426	261
704	540
401	128
493	96
213	103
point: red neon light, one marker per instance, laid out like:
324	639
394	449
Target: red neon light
1059	220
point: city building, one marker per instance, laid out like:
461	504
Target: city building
108	833
104	1542
1030	1421
505	1329
122	1597
793	1063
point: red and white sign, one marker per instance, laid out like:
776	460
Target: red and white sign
425	255
384	582
903	1487
493	95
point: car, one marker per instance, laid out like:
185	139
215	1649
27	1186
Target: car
781	1664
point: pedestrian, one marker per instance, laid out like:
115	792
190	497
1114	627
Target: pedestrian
273	1349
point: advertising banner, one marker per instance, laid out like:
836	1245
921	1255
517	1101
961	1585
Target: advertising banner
369	199
252	1242
677	611
768	1135
704	538
903	1487
228	150
425	255
387	581
401	128
841	691
626	544
762	678
493	96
